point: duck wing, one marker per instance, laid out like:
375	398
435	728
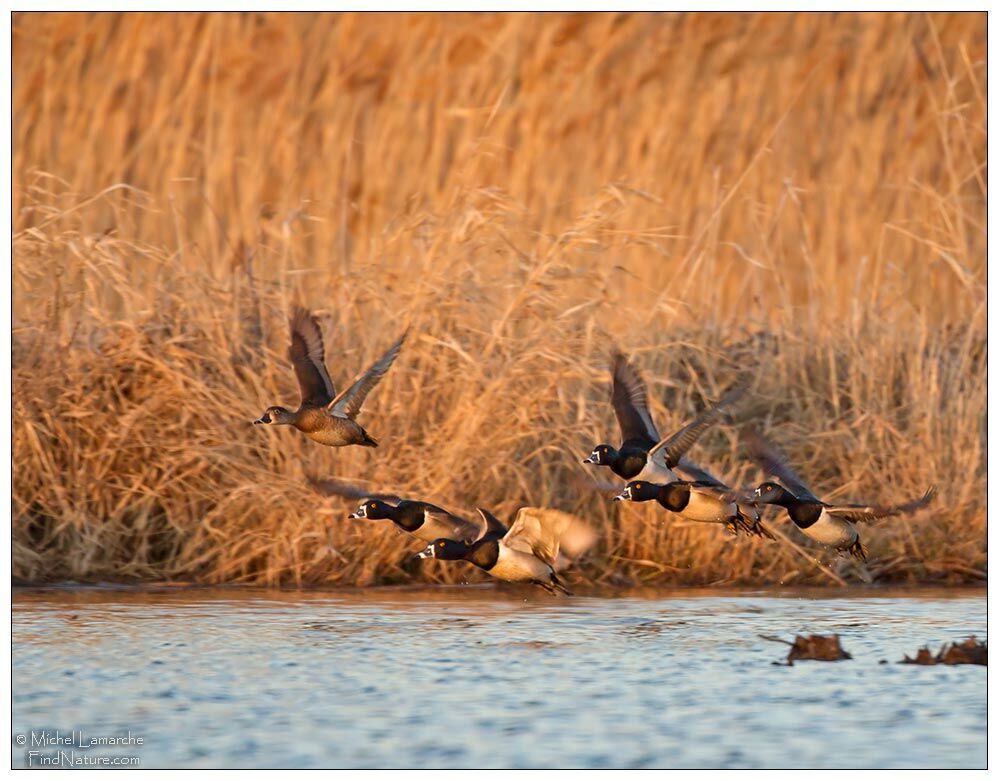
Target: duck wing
577	537
308	355
743	495
449	525
860	513
491	526
668	451
712	489
773	461
592	484
692	471
541	532
333	487
349	402
630	398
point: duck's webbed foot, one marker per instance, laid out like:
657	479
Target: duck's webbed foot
759	530
557	586
740	523
857	550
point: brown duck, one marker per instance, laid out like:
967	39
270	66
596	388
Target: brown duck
324	416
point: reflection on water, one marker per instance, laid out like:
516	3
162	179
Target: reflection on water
486	677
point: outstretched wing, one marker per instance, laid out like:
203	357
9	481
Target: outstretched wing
668	451
742	495
308	355
349	402
542	531
577	537
773	461
859	513
597	486
332	487
491	527
631	403
692	471
438	522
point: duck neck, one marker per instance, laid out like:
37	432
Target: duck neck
408	516
785	499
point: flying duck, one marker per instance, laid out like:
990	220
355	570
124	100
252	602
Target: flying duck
424	521
324	416
526	553
702	501
831	525
629	396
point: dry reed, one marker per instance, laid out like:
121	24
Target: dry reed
797	196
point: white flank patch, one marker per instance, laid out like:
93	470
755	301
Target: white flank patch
832	531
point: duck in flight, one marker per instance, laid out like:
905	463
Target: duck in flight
697	500
423	520
631	461
707	500
525	553
829	524
323	416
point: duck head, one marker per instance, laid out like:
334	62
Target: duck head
638	491
602	455
373	510
449	550
276	416
770	493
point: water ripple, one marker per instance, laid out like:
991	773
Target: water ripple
446	678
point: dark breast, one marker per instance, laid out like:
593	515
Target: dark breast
629	463
484	554
804	514
409	515
674	497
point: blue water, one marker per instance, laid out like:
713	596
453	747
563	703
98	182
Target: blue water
485	677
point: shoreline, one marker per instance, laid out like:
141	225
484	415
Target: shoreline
492	591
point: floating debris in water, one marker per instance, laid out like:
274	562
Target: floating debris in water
822	648
971	651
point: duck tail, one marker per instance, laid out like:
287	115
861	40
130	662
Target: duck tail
368	440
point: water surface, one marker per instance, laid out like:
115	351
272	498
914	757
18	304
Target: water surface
482	677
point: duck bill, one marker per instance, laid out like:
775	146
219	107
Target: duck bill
589	460
624	496
427	553
262	419
354	516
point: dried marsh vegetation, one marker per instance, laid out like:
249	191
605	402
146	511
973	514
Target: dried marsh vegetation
797	196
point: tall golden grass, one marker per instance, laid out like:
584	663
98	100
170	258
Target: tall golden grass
799	197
